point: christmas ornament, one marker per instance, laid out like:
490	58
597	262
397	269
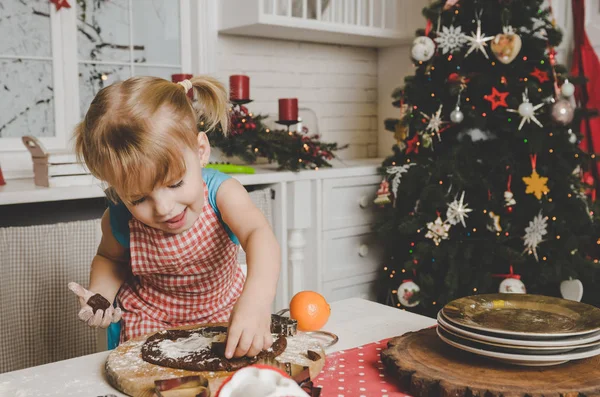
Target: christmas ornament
438	230
478	41
400	133
511	284
457	116
536	184
527	111
455	78
497	98
495	225
406	292
383	194
450	39
457	211
449	4
435	122
572	137
509	199
423	48
412	145
571	289
563	112
397	172
506	45
567	89
534	234
542	76
60	4
426	140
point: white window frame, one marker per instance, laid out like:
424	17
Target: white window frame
15	160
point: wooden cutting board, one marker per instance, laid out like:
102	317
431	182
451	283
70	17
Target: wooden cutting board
426	366
130	374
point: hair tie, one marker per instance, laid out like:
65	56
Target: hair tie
186	84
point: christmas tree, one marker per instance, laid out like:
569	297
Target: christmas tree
486	179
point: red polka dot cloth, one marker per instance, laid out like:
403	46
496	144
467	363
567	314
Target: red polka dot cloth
357	372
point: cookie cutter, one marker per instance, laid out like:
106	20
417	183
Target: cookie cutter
293	327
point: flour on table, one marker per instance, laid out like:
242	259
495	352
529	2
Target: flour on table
184	346
296	349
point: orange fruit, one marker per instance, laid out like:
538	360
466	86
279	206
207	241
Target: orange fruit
310	309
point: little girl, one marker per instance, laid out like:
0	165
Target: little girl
170	235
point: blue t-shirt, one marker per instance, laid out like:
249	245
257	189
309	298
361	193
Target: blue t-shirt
120	215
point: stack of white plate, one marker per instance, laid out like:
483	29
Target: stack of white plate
521	329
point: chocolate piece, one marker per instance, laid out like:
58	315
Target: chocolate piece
98	302
204	358
218	345
313	356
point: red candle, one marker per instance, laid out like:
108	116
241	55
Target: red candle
288	109
239	87
175	78
2	181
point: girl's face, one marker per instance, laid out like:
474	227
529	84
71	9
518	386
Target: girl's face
176	207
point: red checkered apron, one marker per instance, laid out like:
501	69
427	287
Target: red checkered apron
180	279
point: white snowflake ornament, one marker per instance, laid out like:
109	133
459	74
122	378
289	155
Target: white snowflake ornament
435	122
534	234
478	41
457	211
527	111
438	230
450	39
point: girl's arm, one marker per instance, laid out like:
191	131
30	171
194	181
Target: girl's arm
250	322
106	277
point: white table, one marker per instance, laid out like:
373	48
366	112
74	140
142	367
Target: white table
355	321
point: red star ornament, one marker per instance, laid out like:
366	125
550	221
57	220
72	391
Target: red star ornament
412	145
540	75
497	98
60	4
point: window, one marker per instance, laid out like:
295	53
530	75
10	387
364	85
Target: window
52	63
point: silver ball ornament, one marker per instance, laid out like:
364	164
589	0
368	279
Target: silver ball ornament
526	109
567	89
457	116
572	138
423	48
563	112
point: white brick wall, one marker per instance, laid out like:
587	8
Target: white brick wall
338	82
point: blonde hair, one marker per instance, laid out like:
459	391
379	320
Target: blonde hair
134	131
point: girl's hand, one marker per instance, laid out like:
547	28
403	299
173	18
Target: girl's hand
101	318
249	328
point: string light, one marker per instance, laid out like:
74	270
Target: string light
506	234
316	168
398	304
569	195
385	268
299	160
391	276
255	150
483	114
551	134
593	156
551	150
432	94
412	244
449	57
576	155
598	242
485	211
474	229
267	130
250	114
441	182
544	258
467	99
595	260
493	63
542	62
474	289
524	58
558	237
525	140
104	77
243	120
395	291
393	163
434	302
201	123
549	199
509	120
554	218
403	270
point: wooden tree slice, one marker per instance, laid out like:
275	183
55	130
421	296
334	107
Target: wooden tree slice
426	366
127	372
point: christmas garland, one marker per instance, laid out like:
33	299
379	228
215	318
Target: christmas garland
249	139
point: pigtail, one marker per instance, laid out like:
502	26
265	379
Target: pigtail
213	103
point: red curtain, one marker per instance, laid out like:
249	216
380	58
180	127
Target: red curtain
585	62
